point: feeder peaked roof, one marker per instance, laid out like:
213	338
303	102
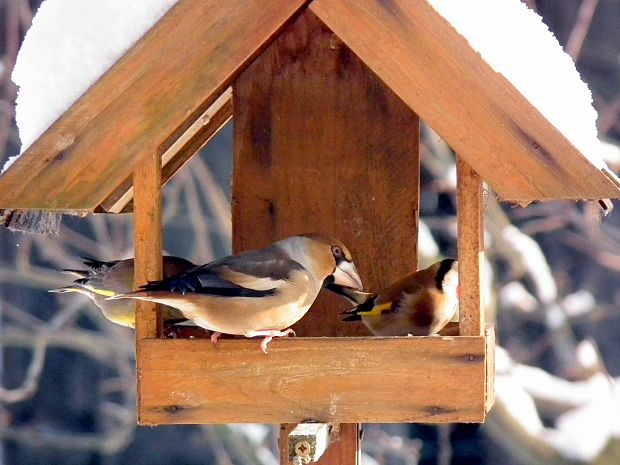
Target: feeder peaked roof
170	93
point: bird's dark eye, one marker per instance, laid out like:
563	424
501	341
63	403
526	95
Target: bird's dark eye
337	251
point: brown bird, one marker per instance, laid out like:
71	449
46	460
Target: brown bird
101	280
420	304
256	293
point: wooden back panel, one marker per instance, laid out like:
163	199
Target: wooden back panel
322	145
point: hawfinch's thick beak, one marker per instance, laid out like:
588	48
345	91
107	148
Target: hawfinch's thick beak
346	275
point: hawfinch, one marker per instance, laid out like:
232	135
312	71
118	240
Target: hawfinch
420	304
256	293
106	279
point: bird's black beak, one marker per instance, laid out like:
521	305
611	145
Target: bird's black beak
354	296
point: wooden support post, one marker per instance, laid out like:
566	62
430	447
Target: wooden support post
147	244
471	248
344	439
308	441
322	145
147	239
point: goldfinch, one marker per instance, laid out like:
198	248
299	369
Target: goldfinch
256	293
420	304
101	280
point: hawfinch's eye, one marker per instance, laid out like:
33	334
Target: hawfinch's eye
337	251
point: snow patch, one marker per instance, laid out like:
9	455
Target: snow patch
70	45
515	42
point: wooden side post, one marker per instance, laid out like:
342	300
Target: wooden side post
322	145
147	244
471	248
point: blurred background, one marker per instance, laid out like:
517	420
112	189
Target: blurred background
67	381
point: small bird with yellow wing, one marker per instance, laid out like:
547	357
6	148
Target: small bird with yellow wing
101	280
420	304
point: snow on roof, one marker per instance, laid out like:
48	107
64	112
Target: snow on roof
73	42
515	42
70	45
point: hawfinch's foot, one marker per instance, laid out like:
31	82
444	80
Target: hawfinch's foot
215	336
269	334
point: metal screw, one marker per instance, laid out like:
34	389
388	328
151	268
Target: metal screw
302	449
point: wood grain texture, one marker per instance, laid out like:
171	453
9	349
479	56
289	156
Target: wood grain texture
432	68
147	239
346	450
322	145
147	249
470	218
175	153
156	90
333	380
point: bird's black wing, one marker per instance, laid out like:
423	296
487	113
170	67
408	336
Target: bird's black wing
251	274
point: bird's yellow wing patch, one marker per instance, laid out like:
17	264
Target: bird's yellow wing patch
103	292
377	310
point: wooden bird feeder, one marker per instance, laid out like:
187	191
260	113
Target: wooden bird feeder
325	98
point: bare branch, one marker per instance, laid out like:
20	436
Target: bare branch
515	421
608	116
218	203
89	343
199	223
33	375
116	438
444	456
33	277
581	28
531	4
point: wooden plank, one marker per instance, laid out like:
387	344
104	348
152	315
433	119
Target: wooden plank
154	92
332	380
320	144
178	152
147	248
147	239
470	218
432	68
